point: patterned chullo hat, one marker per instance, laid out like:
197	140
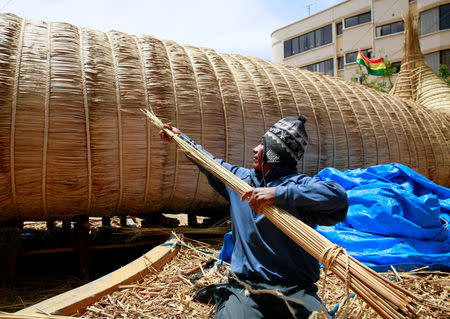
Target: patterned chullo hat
285	142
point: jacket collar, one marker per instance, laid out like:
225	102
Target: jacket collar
274	173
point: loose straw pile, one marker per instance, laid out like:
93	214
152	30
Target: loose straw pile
386	298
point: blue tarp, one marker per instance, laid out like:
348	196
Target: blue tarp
396	217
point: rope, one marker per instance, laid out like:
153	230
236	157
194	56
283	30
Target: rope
328	257
88	132
213	67
261	65
244	142
202	126
294	97
325	109
325	82
13	116
175	101
147	104
224	108
119	121
46	119
252	78
249	290
311	105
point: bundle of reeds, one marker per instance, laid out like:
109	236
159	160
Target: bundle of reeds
389	300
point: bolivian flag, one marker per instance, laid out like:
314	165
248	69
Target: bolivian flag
376	67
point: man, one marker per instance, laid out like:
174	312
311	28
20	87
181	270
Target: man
263	257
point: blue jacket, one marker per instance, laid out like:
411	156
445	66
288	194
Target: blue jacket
262	252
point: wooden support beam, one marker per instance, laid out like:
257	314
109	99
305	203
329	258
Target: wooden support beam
82	245
106	221
67	232
123	221
91	248
10	243
51	224
192	220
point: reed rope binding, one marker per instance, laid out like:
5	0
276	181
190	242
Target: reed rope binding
13	116
46	118
119	120
86	114
147	104
386	298
244	142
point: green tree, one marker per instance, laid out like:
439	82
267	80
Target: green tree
444	73
382	84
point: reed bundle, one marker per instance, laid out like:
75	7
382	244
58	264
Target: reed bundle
387	299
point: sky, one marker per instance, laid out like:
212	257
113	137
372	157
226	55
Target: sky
227	26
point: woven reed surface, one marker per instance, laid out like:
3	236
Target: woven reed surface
68	149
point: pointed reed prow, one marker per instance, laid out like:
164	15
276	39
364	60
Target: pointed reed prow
416	80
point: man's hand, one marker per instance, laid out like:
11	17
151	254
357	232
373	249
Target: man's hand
259	197
164	136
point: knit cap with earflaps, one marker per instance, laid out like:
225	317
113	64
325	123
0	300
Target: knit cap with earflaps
285	142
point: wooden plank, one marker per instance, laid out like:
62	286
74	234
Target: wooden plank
91	248
78	299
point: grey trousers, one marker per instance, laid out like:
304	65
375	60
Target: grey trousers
233	302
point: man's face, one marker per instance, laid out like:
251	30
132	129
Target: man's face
258	157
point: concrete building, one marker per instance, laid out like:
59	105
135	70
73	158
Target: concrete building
328	41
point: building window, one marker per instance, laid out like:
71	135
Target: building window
339	28
340	61
435	19
435	59
390	28
444	17
308	41
432	59
358	19
351	56
325	67
397	66
287	48
428	21
445	57
295	45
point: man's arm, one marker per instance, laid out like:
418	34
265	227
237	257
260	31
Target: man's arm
259	197
314	201
215	183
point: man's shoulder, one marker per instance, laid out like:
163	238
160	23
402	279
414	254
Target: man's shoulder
244	172
297	179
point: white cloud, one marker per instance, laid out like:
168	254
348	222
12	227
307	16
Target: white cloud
232	26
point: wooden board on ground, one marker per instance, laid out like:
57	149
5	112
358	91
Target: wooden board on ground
79	298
